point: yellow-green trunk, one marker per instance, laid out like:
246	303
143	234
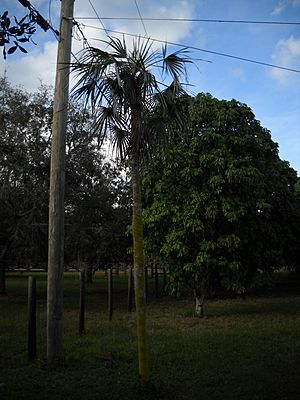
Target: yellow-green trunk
139	274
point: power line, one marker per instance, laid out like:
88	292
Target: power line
227	21
98	18
141	18
203	50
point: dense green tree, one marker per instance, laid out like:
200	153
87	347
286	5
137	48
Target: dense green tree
24	163
96	218
221	203
96	215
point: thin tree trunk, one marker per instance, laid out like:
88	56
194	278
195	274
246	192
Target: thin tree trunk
110	293
89	274
165	279
31	339
130	289
57	186
146	284
156	281
199	305
199	300
139	273
81	302
3	265
2	278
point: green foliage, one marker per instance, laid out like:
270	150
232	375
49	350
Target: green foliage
24	147
22	30
96	207
221	205
121	86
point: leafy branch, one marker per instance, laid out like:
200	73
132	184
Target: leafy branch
22	30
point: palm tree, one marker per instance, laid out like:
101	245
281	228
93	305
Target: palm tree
123	91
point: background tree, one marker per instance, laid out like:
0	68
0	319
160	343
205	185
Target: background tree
96	217
221	203
121	86
97	210
24	148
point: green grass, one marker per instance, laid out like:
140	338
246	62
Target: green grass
244	349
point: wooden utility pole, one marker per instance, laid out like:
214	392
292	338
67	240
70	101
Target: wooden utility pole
57	187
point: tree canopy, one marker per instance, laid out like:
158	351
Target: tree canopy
221	204
96	213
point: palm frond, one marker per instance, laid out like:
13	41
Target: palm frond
175	63
121	142
119	47
124	93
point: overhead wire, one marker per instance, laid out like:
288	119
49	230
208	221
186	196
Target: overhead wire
98	17
202	50
78	26
140	17
228	21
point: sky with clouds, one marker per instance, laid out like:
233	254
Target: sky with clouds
273	94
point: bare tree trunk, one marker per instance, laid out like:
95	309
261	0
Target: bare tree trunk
89	274
31	339
146	284
130	290
2	278
199	305
165	279
156	281
139	273
110	293
3	265
81	302
199	300
57	188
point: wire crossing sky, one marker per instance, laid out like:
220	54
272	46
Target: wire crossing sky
192	20
252	50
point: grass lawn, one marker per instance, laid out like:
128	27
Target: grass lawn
244	349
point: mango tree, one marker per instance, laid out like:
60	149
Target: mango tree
221	205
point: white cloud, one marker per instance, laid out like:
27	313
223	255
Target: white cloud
39	64
286	54
279	8
163	30
239	74
282	5
32	69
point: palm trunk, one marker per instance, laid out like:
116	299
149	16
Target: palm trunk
139	272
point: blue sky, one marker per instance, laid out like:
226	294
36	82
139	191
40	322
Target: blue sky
272	94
